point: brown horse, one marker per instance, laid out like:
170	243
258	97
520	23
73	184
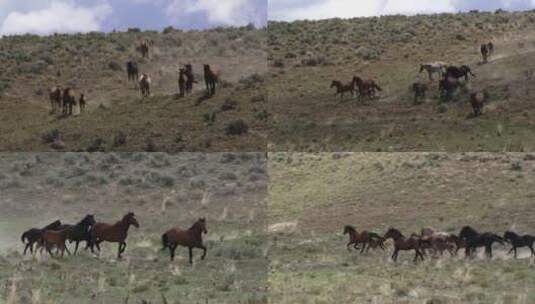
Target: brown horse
113	233
190	78
69	100
33	235
82	102
182	82
143	48
486	51
477	100
211	78
343	88
51	238
191	238
438	241
364	237
55	96
403	243
419	89
144	85
366	87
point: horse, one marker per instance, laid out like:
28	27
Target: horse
475	239
477	100
81	231
82	102
403	243
32	236
433	68
487	50
366	87
50	238
191	238
182	82
447	86
211	78
132	71
69	100
144	85
364	237
459	72
190	78
143	48
439	241
55	98
419	89
343	88
114	233
519	241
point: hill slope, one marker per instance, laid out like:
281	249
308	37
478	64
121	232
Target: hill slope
95	64
305	56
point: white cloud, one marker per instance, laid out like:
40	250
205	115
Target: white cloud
58	16
218	12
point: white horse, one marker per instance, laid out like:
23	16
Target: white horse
434	67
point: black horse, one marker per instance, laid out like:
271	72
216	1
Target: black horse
475	239
519	241
80	231
133	71
32	236
458	72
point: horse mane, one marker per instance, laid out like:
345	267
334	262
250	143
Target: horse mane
350	228
56	223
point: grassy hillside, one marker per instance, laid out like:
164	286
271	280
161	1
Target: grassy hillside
164	191
94	63
305	56
313	195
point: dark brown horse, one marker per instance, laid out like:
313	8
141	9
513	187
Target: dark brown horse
144	85
51	238
366	87
132	71
55	96
32	236
419	89
182	82
477	100
144	49
486	51
343	88
403	243
114	233
211	78
191	238
190	78
69	100
82	102
364	238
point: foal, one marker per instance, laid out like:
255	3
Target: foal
364	237
191	238
519	241
403	243
343	88
114	233
33	235
50	238
82	102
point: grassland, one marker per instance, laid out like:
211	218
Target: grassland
94	63
305	56
313	195
164	191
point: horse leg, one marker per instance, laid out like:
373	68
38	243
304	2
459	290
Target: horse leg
347	246
172	249
76	247
532	250
204	251
363	247
27	246
190	255
65	248
119	251
395	255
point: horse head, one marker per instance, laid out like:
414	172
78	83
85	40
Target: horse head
334	83
89	220
467	232
130	219
392	233
348	229
508	236
201	222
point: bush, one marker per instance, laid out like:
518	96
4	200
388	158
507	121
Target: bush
50	136
237	127
119	139
168	30
96	145
229	104
115	66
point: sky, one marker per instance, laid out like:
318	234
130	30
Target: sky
44	17
290	10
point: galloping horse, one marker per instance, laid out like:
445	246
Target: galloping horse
477	100
475	239
211	78
55	98
343	88
81	231
519	241
439	241
403	243
191	238
32	236
433	68
132	71
366	87
114	233
364	237
144	85
458	72
50	238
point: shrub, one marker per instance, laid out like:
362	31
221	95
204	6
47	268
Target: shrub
115	66
237	127
119	139
229	104
50	136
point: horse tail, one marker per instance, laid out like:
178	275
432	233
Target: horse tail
24	236
165	241
377	87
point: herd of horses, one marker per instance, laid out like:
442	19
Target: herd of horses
450	79
93	233
63	100
437	242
